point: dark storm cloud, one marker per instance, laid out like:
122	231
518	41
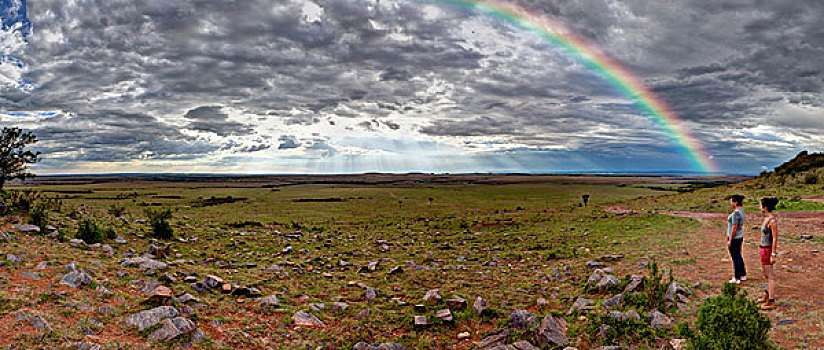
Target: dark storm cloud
115	136
212	119
151	65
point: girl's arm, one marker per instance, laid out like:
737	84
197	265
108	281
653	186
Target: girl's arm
774	228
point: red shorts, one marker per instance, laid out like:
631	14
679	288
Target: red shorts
766	253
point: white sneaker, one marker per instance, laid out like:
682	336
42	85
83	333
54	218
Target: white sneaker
735	281
743	278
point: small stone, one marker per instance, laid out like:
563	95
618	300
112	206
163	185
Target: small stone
432	297
306	320
421	321
805	237
608	281
493	341
613	302
160	295
362	314
339	306
464	335
185	298
396	270
148	318
42	265
592	265
271	300
524	345
30	275
480	306
455	302
445	315
522	319
658	320
13	258
541	302
76	279
371	293
172	328
552	332
41	323
582	303
634	282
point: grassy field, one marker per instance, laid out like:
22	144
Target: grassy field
311	244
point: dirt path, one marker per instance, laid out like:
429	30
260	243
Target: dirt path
799	321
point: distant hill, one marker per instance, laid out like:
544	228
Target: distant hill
806	168
802	162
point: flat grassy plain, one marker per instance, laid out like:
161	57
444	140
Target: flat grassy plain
309	240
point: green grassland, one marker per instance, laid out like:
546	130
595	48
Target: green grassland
509	243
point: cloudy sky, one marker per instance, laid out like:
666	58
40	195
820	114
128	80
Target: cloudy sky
332	86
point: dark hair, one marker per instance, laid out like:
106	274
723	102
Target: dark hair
737	199
769	203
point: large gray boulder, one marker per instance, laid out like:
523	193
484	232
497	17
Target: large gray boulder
306	320
148	318
552	332
522	319
172	328
76	279
145	263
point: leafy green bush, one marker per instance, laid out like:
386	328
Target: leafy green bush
652	293
89	232
730	322
159	221
39	216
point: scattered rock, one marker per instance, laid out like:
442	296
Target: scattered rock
785	322
658	320
362	314
338	306
172	328
464	335
396	270
41	323
541	302
26	228
582	303
370	293
445	315
608	281
379	346
42	265
30	275
522	319
524	345
552	332
674	290
613	302
432	297
161	295
634	282
304	319
493	341
145	263
76	279
421	321
148	318
592	265
480	306
456	303
13	258
612	257
805	237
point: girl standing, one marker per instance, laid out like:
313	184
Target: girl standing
769	243
735	238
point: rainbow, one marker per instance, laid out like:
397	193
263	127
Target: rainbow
599	61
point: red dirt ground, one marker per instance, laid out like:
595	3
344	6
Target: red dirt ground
800	271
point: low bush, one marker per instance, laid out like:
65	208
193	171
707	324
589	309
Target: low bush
730	321
159	221
89	232
39	216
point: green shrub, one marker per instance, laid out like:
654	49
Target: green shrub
89	232
730	322
39	216
159	221
116	210
652	294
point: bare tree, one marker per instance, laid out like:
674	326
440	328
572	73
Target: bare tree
14	155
